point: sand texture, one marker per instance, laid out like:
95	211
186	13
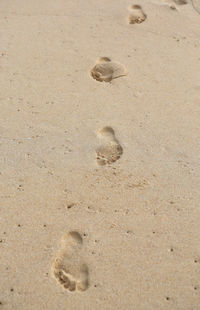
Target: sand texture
99	155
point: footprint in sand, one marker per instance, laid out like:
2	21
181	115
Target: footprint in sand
106	70
111	150
68	268
137	15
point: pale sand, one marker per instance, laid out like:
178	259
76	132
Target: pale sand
123	229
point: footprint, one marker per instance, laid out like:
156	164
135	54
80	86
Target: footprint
106	70
68	268
111	150
137	15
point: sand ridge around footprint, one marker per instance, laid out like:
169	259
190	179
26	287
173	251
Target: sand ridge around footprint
136	15
69	268
196	5
106	70
110	150
173	3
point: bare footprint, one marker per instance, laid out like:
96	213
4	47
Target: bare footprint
106	70
137	15
111	150
68	268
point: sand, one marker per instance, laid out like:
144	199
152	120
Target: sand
99	155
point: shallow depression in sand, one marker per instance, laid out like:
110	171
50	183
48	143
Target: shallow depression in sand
69	267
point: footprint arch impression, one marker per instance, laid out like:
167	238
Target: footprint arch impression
106	70
137	15
110	150
69	268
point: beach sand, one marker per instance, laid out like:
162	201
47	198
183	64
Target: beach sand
99	155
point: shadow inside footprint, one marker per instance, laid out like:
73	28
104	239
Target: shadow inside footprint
68	268
111	150
180	2
105	70
137	15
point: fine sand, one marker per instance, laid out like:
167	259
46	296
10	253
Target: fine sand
100	155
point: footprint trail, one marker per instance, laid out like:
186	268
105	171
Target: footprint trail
69	268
